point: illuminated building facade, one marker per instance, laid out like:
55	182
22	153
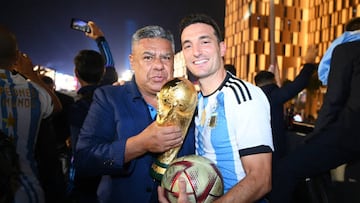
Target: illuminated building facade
297	24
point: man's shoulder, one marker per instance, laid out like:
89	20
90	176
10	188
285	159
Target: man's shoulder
346	45
269	89
111	92
243	90
110	89
348	50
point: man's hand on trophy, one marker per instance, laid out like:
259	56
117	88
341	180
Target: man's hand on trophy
161	138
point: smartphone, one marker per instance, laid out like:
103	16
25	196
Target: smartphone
80	25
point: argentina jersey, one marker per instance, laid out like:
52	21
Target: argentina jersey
23	105
225	127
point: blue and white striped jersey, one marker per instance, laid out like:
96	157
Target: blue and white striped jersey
232	122
23	105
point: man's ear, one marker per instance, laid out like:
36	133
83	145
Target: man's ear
131	60
76	72
222	48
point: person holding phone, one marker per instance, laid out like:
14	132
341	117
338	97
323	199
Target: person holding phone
92	31
96	34
80	25
92	69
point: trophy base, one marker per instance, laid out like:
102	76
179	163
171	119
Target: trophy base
158	169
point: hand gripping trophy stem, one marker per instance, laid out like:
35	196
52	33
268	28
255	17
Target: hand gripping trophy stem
177	101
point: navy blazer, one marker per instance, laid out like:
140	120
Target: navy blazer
117	113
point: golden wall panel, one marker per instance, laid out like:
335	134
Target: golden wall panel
298	24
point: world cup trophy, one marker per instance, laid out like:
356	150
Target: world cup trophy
177	101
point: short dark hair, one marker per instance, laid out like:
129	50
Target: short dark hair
353	24
201	18
90	66
153	31
8	48
264	78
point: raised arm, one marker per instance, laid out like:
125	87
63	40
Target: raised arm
97	34
311	54
276	71
25	67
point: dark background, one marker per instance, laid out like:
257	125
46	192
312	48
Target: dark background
43	27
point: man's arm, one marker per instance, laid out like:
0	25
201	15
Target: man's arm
108	148
276	71
25	67
291	89
256	183
96	34
311	54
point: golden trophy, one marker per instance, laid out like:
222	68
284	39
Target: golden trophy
177	101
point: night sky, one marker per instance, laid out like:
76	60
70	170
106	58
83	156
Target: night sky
43	29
